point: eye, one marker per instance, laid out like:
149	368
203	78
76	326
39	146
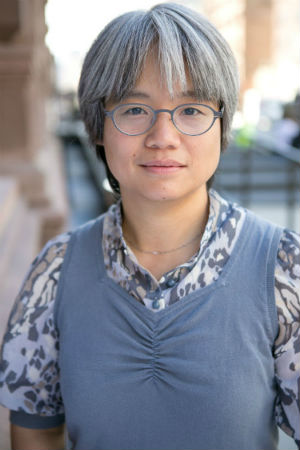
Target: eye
191	111
134	111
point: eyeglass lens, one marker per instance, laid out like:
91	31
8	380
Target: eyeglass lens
137	119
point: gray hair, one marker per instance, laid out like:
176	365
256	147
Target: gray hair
182	38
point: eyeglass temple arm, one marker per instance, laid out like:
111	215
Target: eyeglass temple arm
219	113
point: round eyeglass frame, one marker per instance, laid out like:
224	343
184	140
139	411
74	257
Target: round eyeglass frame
217	115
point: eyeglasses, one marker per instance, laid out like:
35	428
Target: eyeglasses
192	119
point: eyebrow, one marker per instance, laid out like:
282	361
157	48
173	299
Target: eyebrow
135	94
140	94
188	94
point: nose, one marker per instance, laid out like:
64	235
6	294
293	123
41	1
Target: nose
163	133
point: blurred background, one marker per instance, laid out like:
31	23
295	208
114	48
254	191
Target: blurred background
50	179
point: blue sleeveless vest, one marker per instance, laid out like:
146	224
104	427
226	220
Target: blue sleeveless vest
196	375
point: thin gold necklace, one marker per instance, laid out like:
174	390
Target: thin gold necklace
159	252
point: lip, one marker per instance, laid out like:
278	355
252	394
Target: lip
162	167
163	163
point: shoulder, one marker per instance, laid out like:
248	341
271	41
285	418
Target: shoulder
288	256
49	259
88	229
287	281
260	224
47	265
39	286
262	234
53	250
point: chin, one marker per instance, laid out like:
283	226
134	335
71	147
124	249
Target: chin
165	195
160	195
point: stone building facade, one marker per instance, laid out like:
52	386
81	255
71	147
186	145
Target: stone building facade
33	204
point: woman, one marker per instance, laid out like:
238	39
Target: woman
170	322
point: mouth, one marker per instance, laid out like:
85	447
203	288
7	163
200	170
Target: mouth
163	163
162	166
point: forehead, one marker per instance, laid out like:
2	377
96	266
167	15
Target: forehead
153	79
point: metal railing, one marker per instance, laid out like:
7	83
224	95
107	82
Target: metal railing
264	172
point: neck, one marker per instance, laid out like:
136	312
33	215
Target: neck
164	226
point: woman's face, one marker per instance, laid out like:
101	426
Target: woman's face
163	164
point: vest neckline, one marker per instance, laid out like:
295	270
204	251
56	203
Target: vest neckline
190	298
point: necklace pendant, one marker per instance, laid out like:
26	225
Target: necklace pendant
155	253
156	304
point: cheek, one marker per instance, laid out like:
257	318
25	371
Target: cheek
111	145
113	158
118	152
207	151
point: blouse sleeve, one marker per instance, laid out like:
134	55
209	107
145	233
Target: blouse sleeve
29	371
287	344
